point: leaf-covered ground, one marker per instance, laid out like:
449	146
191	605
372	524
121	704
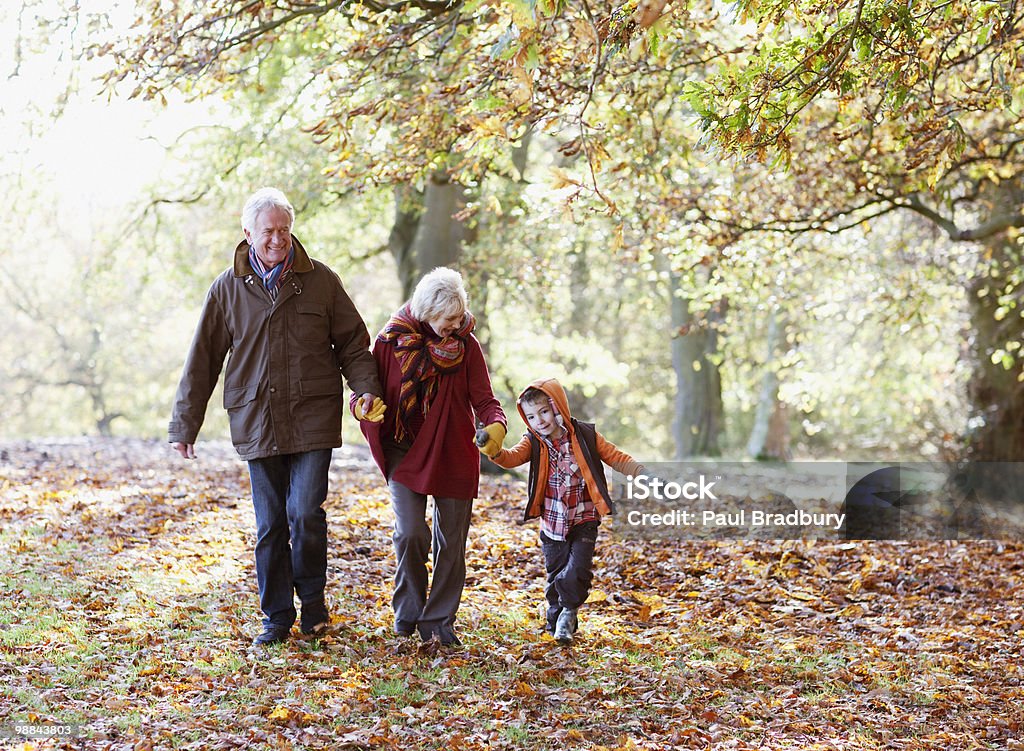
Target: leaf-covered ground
128	602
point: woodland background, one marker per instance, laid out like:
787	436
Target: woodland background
764	229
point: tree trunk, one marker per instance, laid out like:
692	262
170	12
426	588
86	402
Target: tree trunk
426	233
996	426
582	317
777	444
408	209
769	438
698	403
439	236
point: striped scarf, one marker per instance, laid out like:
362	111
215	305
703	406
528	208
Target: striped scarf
422	357
271	277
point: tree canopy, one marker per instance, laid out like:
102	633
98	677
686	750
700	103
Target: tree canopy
742	163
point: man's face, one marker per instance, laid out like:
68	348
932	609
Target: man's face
542	419
271	237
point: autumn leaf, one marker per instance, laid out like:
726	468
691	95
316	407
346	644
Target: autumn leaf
562	180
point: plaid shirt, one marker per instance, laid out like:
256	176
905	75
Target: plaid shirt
566	500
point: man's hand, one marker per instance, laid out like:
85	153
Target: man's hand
495	434
187	450
369	408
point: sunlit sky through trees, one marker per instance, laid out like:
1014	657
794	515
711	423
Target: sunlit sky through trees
89	151
130	206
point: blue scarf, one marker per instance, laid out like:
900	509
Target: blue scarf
271	277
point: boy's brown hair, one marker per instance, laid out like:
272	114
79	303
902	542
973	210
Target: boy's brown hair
533	396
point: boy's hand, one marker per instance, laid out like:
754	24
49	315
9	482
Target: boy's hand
495	435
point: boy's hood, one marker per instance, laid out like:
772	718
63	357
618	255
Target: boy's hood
554	390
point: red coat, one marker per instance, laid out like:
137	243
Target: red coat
443	460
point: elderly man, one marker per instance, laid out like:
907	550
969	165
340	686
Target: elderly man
292	333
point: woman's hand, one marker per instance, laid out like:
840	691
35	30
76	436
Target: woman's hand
369	408
495	434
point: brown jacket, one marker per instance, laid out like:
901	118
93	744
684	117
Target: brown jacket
282	384
588	446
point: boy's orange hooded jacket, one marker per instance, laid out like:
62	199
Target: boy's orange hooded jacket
588	446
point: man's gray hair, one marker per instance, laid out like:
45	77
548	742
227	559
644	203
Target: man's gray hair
261	200
439	294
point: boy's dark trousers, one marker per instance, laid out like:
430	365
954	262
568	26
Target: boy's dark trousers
570	568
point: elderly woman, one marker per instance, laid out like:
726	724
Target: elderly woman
435	382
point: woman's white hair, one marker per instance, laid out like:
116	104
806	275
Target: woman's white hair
439	294
261	200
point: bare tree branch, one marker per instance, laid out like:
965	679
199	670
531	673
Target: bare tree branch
993	226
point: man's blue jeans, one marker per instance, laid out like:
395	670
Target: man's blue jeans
288	493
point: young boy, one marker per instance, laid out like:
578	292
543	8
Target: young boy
567	490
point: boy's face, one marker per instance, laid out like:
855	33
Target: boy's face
541	418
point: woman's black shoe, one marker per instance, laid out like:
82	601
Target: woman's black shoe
444	634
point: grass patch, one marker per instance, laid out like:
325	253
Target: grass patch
516	734
471	673
221	665
711	651
645	658
428	675
511	625
398	689
26	632
29	701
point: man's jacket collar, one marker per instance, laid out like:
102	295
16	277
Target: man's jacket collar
300	265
